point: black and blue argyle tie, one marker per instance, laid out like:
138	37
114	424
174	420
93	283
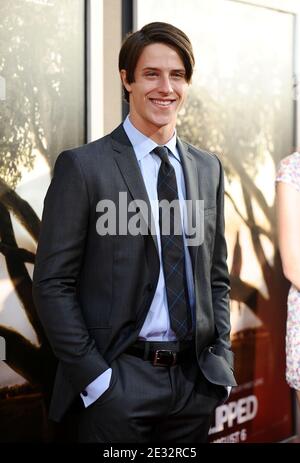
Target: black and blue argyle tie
172	247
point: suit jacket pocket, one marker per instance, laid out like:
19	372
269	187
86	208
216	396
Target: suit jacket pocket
107	394
216	369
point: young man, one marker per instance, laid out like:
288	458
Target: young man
139	321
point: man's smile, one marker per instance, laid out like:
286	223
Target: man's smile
162	103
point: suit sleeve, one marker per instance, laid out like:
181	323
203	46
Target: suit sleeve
57	268
219	276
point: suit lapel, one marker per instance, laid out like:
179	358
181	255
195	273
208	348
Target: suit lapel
192	188
126	160
129	168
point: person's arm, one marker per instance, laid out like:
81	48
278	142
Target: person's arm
220	285
57	268
288	225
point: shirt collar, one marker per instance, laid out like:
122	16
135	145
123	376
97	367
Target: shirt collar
143	145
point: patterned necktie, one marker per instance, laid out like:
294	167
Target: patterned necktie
172	248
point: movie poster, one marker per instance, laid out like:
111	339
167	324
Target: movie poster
240	106
42	101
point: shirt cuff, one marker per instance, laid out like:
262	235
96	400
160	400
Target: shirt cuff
228	391
96	388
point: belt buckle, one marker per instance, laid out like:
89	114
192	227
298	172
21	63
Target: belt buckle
163	358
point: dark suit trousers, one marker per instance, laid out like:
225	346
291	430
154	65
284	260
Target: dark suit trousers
146	403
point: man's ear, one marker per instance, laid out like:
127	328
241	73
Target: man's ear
123	76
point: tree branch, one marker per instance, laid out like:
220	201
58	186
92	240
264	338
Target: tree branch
243	292
21	209
249	223
259	251
17	253
21	355
18	273
252	190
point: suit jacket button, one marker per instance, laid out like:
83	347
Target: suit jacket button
84	393
149	287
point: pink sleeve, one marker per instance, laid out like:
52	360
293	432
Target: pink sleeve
289	170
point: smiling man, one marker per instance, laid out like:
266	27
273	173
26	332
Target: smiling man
138	321
156	89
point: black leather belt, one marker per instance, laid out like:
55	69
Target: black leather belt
161	354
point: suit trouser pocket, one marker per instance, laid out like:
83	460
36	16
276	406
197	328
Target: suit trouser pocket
126	412
109	391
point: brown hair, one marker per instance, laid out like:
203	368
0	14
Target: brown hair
156	32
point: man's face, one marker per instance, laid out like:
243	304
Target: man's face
159	90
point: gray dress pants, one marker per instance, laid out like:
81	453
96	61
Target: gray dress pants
146	403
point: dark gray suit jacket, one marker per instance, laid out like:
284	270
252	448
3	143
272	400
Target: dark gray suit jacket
93	292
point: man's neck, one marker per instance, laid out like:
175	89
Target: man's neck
161	135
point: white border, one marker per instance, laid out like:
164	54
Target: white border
94	69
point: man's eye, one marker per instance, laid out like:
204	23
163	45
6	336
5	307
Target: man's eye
178	76
151	74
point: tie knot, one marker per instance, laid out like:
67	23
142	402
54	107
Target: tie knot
162	152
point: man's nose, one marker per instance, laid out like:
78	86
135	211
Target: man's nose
165	84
